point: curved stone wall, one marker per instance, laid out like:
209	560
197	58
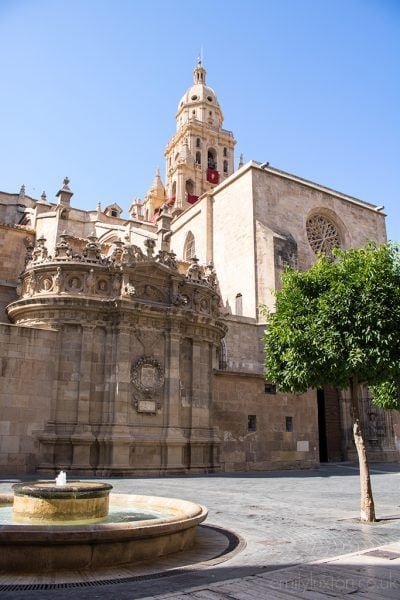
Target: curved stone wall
138	343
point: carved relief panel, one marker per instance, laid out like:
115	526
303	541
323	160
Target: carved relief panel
147	377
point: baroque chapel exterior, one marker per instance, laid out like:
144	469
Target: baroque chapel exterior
134	345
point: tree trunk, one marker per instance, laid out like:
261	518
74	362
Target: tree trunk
367	501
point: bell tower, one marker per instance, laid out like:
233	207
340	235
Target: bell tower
200	154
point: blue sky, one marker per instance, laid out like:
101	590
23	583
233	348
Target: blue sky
89	89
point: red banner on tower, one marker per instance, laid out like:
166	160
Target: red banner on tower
213	176
192	199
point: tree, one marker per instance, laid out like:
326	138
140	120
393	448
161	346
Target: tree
339	324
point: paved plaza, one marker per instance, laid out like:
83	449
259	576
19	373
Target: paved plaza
298	536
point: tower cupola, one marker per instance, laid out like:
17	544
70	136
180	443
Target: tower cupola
201	153
199	102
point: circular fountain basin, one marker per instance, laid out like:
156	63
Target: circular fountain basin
26	548
44	502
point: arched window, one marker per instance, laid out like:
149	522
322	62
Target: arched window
211	159
225	166
198	158
189	250
239	305
189	187
198	143
225	151
222	356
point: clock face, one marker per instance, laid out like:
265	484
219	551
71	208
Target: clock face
322	234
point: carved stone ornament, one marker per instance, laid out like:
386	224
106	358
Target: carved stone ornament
147	375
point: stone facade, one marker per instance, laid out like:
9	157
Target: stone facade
28	368
135	345
264	430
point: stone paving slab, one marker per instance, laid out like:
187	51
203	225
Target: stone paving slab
359	575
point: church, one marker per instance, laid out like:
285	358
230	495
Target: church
133	345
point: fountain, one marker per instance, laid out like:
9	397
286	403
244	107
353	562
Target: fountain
66	525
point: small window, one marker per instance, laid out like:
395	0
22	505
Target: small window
194	97
288	424
189	249
225	166
269	388
198	143
209	98
251	423
210	113
198	158
225	151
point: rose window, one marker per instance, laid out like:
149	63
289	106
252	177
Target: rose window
322	234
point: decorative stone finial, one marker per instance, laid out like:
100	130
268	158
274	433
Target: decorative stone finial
91	252
22	191
64	194
240	161
39	252
194	272
43	197
63	249
150	245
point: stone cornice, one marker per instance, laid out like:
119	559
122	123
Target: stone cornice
23	228
305	182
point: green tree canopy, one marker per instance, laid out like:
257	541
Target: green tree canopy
338	324
339	320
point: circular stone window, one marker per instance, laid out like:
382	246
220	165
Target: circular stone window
322	234
209	98
194	98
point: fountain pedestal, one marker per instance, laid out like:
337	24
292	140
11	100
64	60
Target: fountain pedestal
44	502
